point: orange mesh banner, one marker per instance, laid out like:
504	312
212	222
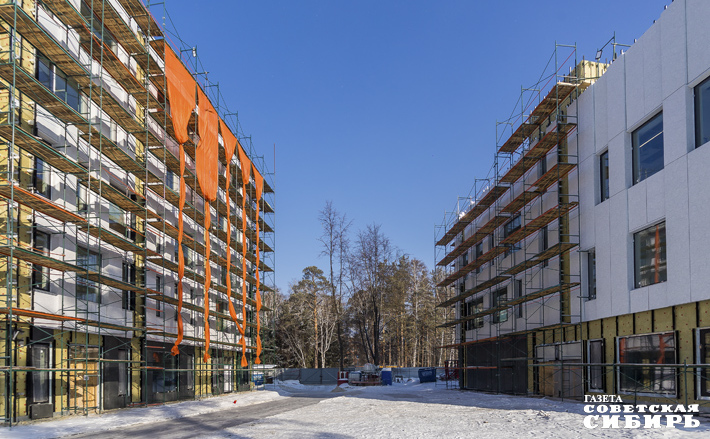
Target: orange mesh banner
181	256
181	93
230	143
230	140
259	183
245	163
207	153
207	169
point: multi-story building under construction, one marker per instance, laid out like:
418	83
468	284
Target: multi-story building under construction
577	266
136	222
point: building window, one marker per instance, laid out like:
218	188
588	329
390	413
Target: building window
81	199
57	82
128	301
473	307
591	275
650	255
169	179
40	379
41	178
596	373
647	143
190	372
702	113
479	253
703	357
87	289
542	166
123	372
518	292
511	226
498	298
647	349
40	274
604	176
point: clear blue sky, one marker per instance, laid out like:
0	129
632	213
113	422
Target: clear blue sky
386	108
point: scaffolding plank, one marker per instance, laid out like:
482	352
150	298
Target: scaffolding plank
477	289
484	258
55	264
100	51
518	137
38	148
143	17
28	85
559	92
536	152
538	223
517	301
113	195
552	176
39	38
541	257
481	233
120	157
484	203
520	201
20	312
112	238
38	203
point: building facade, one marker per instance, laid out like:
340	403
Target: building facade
104	219
595	283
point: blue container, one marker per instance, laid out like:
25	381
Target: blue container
427	375
386	377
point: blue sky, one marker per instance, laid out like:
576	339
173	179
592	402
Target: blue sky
386	108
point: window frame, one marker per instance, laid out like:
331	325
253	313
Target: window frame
636	148
696	113
85	287
45	376
41	274
591	274
662	276
654	393
604	175
41	178
704	373
499	316
593	369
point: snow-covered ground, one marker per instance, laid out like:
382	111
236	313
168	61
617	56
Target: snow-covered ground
403	410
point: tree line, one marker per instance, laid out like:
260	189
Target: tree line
369	304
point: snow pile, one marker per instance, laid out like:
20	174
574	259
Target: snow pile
79	424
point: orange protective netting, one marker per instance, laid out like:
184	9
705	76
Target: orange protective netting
230	143
245	163
181	93
259	184
207	170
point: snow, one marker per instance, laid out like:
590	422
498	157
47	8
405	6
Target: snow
402	410
77	424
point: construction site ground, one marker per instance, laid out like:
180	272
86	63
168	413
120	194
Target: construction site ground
291	410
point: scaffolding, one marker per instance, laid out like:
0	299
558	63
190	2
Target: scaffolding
509	250
89	181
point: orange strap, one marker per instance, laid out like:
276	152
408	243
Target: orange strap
206	162
230	143
181	93
259	183
245	163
